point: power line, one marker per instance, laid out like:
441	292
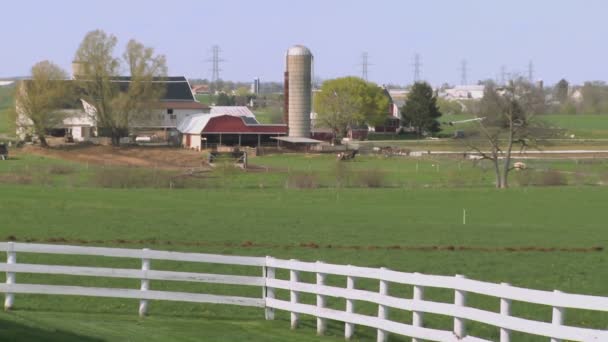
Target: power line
364	65
503	75
463	72
215	60
417	67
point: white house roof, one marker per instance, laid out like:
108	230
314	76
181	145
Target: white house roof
232	110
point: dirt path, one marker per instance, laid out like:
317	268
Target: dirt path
160	157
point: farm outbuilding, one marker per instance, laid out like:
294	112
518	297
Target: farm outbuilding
204	130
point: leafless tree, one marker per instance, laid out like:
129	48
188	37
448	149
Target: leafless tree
506	122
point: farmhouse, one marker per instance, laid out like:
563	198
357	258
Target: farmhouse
174	106
231	126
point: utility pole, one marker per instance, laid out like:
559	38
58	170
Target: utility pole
215	63
364	65
463	72
417	67
503	75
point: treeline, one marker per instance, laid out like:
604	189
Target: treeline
590	98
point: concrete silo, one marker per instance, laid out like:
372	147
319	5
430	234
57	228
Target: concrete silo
298	90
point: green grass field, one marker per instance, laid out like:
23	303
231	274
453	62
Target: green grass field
279	222
581	126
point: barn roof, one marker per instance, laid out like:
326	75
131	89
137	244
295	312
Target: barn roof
232	110
225	123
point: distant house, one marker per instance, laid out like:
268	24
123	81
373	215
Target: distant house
200	89
463	92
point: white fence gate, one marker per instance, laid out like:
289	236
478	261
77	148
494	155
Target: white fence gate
556	330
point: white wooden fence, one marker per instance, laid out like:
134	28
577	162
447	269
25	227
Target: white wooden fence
556	330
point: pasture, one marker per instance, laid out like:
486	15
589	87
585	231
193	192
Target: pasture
536	237
397	212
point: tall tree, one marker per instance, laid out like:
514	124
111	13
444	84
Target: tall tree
117	109
420	110
346	102
506	120
40	100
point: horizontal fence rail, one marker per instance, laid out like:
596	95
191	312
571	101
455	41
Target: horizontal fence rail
268	282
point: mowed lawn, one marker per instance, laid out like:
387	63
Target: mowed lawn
581	126
366	227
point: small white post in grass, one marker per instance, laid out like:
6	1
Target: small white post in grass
11	259
269	273
145	283
349	328
383	309
505	310
464	216
460	299
558	318
417	316
294	296
321	322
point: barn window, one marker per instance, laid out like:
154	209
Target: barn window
170	111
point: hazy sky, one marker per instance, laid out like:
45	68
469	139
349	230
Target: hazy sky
563	38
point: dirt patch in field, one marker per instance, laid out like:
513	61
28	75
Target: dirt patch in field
310	245
160	157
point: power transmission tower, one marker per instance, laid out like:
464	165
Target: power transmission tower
364	65
417	68
463	72
503	75
215	63
530	72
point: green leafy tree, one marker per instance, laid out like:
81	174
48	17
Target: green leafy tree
450	107
40	100
420	110
224	99
347	102
117	109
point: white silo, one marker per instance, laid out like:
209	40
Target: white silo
298	90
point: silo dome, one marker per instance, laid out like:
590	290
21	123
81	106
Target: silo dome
298	50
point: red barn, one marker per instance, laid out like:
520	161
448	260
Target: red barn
205	130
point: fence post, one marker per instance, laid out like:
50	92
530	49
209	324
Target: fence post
145	283
321	322
383	309
460	299
417	316
11	258
558	317
349	328
293	295
268	291
505	310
